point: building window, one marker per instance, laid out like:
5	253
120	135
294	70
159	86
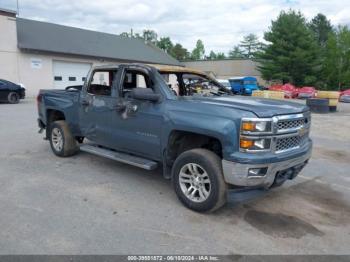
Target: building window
58	78
72	78
83	79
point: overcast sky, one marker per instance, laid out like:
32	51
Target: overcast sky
219	23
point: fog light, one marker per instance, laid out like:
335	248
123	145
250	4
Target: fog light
257	172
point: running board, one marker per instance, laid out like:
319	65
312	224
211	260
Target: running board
121	157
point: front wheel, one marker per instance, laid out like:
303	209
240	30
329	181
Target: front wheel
198	180
13	98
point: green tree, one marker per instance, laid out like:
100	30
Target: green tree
250	45
124	34
179	52
220	55
165	44
199	51
291	55
336	64
321	28
150	36
236	52
212	55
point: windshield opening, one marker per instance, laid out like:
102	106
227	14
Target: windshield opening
191	84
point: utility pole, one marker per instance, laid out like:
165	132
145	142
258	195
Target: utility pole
17	8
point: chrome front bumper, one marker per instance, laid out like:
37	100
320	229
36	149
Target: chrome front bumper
237	173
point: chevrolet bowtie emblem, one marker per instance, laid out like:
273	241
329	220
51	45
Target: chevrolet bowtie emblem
302	131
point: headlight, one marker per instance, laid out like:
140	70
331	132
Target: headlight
256	126
254	144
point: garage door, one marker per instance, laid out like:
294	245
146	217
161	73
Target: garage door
69	74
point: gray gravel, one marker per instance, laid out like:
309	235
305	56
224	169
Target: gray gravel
89	205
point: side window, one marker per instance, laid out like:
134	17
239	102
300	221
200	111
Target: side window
135	79
172	81
101	82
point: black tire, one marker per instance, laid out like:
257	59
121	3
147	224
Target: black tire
211	164
69	145
13	98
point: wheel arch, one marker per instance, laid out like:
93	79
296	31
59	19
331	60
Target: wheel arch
180	141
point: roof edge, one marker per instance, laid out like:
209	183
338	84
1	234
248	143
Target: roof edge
8	12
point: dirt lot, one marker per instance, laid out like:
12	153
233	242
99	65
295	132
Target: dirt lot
89	205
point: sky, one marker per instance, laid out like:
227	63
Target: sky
220	24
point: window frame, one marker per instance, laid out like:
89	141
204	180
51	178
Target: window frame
143	71
91	77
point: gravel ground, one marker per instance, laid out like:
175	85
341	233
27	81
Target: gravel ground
89	205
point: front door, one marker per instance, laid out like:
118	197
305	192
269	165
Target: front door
137	124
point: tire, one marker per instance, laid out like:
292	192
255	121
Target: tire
13	98
205	180
62	143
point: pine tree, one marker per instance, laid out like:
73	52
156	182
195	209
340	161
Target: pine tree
291	55
250	45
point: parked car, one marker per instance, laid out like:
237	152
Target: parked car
306	92
11	92
205	139
289	90
243	85
345	96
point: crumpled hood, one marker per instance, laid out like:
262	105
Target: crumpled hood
262	107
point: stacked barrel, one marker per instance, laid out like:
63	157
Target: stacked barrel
325	101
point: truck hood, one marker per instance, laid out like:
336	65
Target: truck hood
262	107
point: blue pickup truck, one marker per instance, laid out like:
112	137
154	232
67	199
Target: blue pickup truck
206	139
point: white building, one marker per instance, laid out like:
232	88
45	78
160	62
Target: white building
43	55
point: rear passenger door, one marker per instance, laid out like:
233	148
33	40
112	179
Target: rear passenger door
97	105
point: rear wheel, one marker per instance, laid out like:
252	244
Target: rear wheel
13	98
62	142
198	180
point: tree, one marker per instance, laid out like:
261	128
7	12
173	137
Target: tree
250	45
212	55
179	52
199	51
150	36
165	44
321	28
291	55
236	52
336	64
124	34
220	55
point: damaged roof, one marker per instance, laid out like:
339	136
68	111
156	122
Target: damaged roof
48	37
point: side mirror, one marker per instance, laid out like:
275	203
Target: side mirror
144	94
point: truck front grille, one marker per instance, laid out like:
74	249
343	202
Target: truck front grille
283	125
288	143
